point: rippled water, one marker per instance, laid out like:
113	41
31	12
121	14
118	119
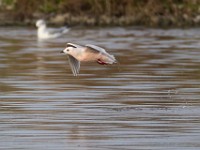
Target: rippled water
149	101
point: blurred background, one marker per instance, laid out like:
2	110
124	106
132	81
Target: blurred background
154	13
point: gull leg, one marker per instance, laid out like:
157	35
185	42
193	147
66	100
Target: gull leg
101	62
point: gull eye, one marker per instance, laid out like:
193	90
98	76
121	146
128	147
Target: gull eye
68	50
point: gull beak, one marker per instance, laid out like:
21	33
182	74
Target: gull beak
61	51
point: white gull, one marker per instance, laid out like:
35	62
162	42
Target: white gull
77	53
48	33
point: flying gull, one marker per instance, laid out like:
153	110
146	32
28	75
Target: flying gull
77	53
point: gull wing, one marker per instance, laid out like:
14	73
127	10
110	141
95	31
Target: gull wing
64	29
74	64
73	45
95	48
54	30
57	30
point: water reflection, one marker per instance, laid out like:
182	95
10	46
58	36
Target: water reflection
149	100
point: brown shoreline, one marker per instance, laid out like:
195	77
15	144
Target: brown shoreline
149	13
155	21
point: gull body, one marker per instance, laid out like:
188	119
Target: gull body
88	53
48	33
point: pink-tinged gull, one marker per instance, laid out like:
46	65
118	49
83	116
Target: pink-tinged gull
77	53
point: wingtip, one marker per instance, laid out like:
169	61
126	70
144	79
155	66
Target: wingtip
75	75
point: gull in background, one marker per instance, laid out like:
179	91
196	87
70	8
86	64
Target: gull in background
48	33
77	53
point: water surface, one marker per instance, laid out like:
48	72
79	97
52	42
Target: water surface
150	100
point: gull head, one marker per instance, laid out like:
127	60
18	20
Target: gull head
68	50
40	23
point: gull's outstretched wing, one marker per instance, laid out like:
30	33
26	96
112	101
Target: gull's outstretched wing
95	48
74	64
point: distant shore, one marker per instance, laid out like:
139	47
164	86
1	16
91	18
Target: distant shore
149	13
